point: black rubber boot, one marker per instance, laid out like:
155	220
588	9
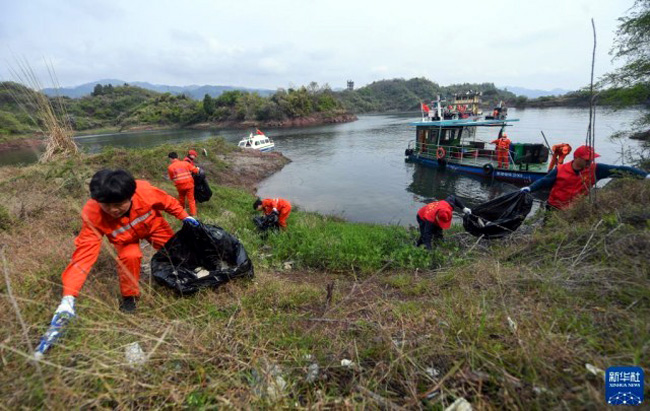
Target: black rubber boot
128	305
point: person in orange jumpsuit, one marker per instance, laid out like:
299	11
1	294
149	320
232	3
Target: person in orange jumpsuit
558	154
280	206
180	172
191	156
126	211
503	150
435	217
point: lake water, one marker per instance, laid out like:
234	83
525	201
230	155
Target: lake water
357	170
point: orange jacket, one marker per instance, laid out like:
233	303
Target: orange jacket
569	185
430	211
180	172
142	218
280	204
503	144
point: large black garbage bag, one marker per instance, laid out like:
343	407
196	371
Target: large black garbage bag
198	257
266	222
202	191
500	217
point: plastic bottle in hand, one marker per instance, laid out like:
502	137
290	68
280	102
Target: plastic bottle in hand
57	327
62	317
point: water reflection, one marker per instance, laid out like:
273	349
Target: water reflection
357	170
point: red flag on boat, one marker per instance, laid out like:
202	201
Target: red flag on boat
425	108
257	131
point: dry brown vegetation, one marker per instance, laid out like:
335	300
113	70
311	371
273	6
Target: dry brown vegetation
510	325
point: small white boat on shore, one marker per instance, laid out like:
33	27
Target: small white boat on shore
257	141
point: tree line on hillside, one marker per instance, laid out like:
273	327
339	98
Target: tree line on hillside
125	105
406	95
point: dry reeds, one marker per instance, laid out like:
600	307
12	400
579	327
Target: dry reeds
49	115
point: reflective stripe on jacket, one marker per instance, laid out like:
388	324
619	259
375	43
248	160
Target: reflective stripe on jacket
503	144
180	172
142	218
568	185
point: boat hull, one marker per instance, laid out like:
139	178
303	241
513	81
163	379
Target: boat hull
519	177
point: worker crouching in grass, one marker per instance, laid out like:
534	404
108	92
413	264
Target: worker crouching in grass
180	172
126	211
279	206
435	217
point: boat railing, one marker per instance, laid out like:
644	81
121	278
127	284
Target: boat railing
457	154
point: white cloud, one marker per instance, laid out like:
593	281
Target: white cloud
271	44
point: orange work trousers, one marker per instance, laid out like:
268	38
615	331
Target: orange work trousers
187	191
502	158
130	256
284	214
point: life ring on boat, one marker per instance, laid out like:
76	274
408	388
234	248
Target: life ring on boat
488	169
440	153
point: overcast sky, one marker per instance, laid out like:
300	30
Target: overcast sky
278	43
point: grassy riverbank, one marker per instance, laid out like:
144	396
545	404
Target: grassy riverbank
504	325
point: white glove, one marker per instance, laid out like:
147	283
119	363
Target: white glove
647	176
467	210
191	221
66	307
525	190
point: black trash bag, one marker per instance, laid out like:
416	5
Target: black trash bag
499	217
202	191
266	222
198	257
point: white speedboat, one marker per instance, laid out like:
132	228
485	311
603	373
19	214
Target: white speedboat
257	141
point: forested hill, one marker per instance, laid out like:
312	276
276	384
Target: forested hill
127	106
406	95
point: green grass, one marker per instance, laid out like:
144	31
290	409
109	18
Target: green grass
577	289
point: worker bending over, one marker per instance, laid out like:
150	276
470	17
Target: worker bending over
180	172
571	180
558	154
435	217
125	211
280	206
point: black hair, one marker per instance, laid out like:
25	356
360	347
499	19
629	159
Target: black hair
257	203
112	186
172	155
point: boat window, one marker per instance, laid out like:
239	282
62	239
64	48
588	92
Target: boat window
266	141
257	143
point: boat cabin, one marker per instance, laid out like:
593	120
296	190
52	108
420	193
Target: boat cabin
466	145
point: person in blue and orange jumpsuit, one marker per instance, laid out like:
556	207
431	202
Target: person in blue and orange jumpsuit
574	179
503	150
280	206
126	211
180	172
435	217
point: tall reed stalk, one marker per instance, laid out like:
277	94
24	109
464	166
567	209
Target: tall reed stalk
49	114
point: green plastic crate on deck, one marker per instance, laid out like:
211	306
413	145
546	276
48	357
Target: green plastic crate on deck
518	150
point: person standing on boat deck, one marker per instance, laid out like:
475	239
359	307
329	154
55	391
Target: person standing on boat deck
571	180
435	217
180	172
191	156
503	150
279	206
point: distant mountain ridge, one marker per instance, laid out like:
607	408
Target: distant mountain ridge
194	91
535	93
